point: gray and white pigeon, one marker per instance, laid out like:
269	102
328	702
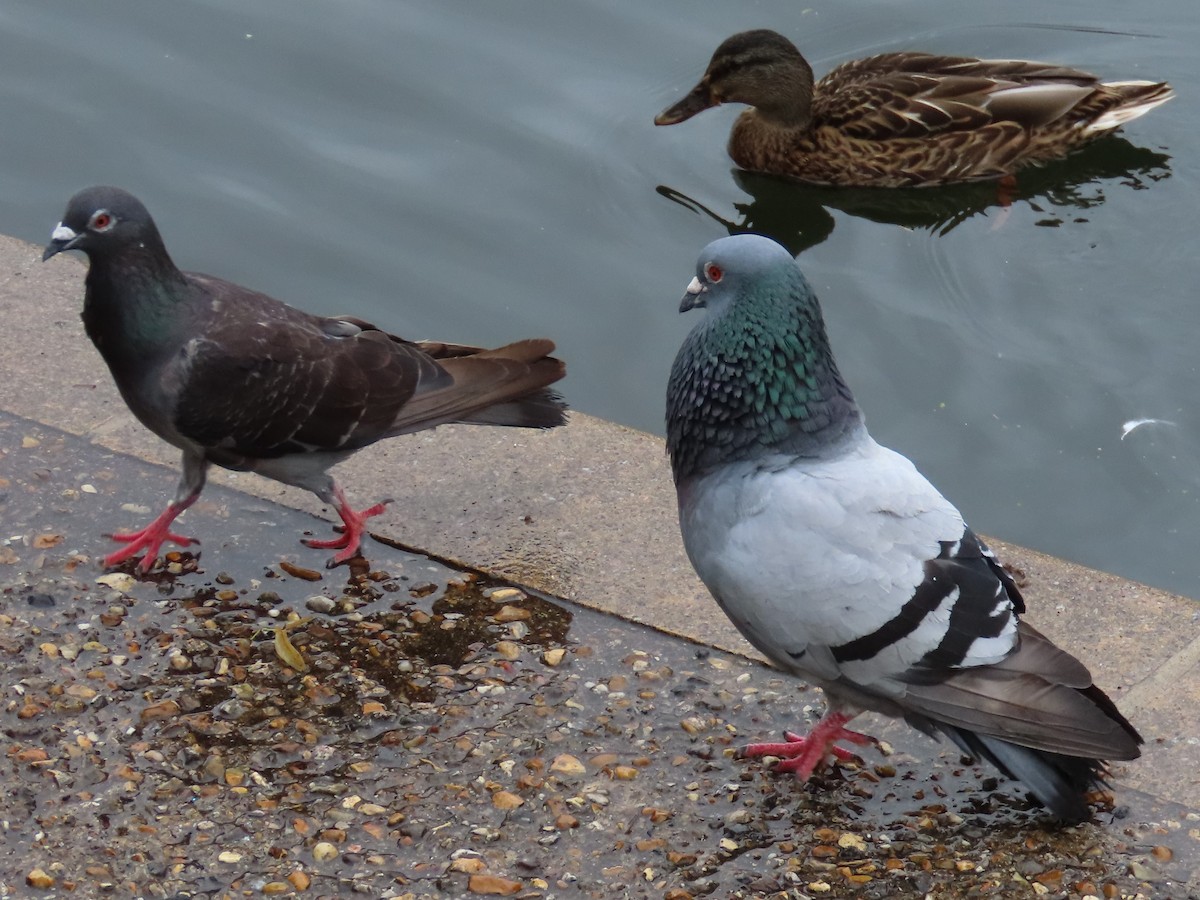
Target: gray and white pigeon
234	377
840	562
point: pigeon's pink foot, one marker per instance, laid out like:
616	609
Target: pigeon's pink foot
353	528
150	538
802	755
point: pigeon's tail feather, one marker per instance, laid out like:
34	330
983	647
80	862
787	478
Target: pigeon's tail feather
539	409
505	386
530	350
544	409
1058	781
1039	697
1035	715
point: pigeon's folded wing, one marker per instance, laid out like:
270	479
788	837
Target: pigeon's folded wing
263	388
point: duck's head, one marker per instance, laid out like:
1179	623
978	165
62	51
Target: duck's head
761	68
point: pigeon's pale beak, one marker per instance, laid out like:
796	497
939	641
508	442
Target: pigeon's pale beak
699	99
62	238
694	298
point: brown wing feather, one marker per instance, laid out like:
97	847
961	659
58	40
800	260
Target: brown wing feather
266	385
1040	697
1019	71
266	380
902	106
936	94
517	373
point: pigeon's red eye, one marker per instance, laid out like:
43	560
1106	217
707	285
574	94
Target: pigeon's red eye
713	272
101	221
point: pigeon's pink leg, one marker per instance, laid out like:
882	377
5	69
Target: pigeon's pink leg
151	537
353	529
802	755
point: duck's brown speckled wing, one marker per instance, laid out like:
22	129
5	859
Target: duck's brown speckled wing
919	95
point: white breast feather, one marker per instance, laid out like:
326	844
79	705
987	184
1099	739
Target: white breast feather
821	553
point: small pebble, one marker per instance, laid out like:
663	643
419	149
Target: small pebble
300	880
850	841
118	581
493	885
165	709
300	572
506	800
323	851
566	764
320	604
508	593
512	614
38	878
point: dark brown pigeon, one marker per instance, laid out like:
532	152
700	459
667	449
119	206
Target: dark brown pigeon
237	378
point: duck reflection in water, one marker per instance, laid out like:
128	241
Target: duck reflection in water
799	216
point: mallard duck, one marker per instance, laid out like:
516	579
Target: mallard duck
905	119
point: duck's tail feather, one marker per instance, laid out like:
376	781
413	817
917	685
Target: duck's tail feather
1137	99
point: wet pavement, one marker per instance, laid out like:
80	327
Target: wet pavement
243	722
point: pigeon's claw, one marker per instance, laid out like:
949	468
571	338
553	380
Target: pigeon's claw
150	539
352	529
801	755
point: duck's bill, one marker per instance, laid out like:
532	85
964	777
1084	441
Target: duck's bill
698	100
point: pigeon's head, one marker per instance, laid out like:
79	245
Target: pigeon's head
100	220
732	265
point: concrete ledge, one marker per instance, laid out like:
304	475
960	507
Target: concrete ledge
587	512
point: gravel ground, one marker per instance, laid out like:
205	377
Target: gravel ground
239	723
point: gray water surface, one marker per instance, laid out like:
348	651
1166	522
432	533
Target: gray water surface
489	171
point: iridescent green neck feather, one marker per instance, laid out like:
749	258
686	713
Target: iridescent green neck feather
135	302
757	377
